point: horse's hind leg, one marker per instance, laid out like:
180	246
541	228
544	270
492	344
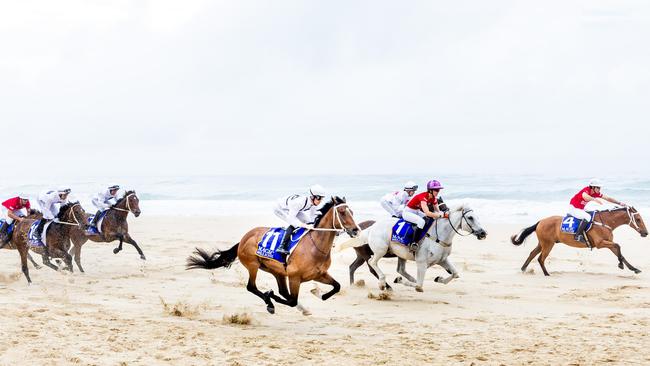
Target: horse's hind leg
67	258
46	259
532	255
353	267
252	287
129	239
546	249
36	265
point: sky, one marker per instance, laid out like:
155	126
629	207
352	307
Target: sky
193	87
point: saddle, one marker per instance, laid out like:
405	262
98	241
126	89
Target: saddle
266	248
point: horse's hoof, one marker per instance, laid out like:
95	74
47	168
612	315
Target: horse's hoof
620	265
143	257
389	289
419	289
437	279
306	312
382	286
38	267
398	280
270	309
115	251
637	271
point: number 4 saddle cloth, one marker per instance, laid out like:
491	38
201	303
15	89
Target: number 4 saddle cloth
570	223
266	248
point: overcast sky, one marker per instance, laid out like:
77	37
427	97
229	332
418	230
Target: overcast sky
334	87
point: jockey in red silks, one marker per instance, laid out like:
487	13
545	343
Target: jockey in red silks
17	208
420	207
580	200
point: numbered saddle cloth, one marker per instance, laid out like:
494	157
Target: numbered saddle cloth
570	223
404	231
32	238
10	228
96	230
272	239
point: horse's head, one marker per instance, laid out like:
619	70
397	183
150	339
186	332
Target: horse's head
342	216
636	222
469	222
131	202
73	213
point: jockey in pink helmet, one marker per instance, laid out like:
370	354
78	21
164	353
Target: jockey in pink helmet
421	206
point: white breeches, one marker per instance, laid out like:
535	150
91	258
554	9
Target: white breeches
301	217
9	220
414	216
391	210
576	212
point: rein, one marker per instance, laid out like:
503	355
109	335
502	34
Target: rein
74	216
337	217
631	216
128	207
457	231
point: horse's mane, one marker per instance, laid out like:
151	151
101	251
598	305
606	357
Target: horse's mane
126	194
462	206
336	200
64	209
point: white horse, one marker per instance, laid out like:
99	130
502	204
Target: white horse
434	248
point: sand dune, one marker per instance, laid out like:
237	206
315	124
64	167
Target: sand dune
126	312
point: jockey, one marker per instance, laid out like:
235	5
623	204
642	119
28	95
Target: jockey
420	206
17	208
104	200
580	200
298	211
50	202
395	202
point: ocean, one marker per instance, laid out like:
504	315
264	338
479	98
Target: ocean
502	199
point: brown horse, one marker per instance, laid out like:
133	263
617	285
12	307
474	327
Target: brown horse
600	235
364	253
114	227
309	261
57	237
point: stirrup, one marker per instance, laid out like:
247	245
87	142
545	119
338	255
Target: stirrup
413	247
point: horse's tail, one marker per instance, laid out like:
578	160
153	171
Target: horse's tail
218	259
361	239
521	237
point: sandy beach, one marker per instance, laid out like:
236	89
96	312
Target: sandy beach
123	311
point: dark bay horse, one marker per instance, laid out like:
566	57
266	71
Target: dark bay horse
600	235
113	227
363	256
57	237
309	261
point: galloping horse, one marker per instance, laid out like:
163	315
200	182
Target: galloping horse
600	236
309	261
364	253
435	247
113	227
58	234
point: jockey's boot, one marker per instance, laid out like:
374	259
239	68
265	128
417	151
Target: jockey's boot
39	229
282	249
94	222
580	233
413	247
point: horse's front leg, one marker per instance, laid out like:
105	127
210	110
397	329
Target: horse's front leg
119	247
36	265
401	269
616	249
129	239
328	280
453	273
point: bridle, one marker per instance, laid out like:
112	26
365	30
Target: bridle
457	231
631	216
128	207
337	218
74	216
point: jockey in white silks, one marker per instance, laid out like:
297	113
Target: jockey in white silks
104	200
298	211
50	203
395	202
